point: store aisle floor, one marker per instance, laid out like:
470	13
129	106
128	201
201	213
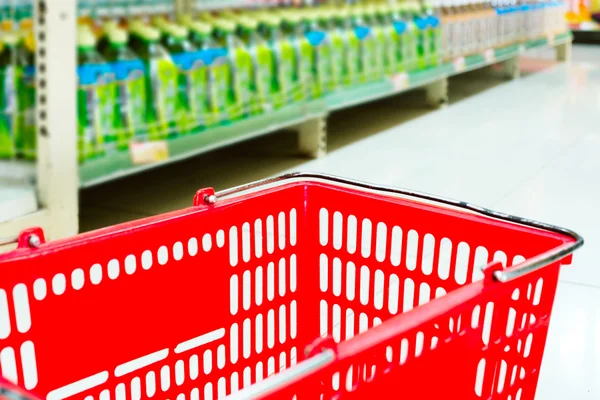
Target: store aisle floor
528	147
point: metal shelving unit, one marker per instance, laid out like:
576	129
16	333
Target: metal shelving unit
58	175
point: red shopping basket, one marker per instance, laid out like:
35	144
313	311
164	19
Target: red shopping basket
271	290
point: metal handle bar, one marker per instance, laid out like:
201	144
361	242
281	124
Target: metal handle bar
505	275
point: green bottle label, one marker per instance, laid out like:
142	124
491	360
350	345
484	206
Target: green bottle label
8	111
26	138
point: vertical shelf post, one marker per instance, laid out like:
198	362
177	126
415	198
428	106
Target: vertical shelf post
56	80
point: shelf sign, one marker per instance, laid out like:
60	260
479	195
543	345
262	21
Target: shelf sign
400	81
489	56
459	64
148	152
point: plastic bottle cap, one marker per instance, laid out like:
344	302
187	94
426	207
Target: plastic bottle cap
118	36
225	25
145	32
10	38
85	37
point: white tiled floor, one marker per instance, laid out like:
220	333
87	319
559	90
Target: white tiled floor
528	147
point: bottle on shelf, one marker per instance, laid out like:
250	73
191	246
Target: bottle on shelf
9	121
294	31
26	138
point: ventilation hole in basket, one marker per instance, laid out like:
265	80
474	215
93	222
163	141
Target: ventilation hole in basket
8	364
523	321
246	290
338	234
532	319
522	374
350	379
246	242
59	284
258	238
336	316
510	323
475	317
192	250
507	349
424	293
271	281
281	230
479	377
376	322
195	394
519	393
538	291
220	238
150	384
378	289
165	378
323	319
104	395
113	268
403	351
271	366
177	252
363	323
502	376
40	291
247	338
233	343
233	246
234	382
146	263
180	396
409	295
323	226
349	324
389	354
462	263
335	381
193	367
515	294
162	255
444	258
380	242
487	323
96	271
293	276
293	313
259	371
519	346
77	279
258	286
528	342
393	291
500	256
271	329
364	285
282	324
337	276
136	389
412	248
351	234
427	254
281	276
221	388
221	356
179	373
480	261
293	356
21	304
233	294
29	365
529	289
366	234
440	292
131	263
513	377
293	227
282	361
259	333
208	391
419	344
350	280
323	275
434	342
517	259
247	376
396	246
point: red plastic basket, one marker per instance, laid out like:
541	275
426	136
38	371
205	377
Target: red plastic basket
204	302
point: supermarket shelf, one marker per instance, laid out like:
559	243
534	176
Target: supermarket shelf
119	164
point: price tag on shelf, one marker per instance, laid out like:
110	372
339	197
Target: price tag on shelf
550	39
400	81
489	55
148	152
459	64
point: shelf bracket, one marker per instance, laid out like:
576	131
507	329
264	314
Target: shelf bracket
312	137
511	68
437	93
563	51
